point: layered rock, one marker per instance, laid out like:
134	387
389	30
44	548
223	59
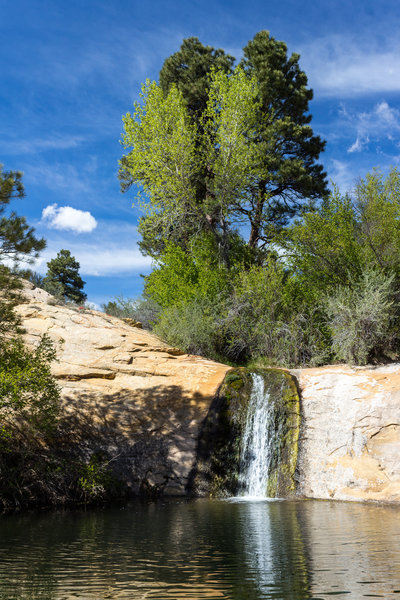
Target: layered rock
349	445
125	393
143	404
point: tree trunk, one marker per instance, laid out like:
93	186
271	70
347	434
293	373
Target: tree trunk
256	221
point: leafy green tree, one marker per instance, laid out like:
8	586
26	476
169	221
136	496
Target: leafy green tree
63	277
377	206
333	245
325	246
163	159
27	389
285	172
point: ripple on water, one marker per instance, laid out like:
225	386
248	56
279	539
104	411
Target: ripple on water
239	549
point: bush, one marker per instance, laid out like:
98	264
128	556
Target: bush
29	405
28	391
193	327
143	309
362	317
264	316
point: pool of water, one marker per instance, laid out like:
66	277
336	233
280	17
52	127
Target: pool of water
203	549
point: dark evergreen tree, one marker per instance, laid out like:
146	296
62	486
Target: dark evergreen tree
289	171
189	69
17	241
63	277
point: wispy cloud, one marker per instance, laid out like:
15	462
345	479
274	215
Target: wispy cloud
348	67
68	218
382	122
98	261
34	146
60	177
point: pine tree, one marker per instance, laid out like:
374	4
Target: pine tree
189	69
62	277
289	172
17	241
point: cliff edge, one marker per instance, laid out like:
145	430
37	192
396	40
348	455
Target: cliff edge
125	393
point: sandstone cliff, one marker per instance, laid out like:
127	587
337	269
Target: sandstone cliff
349	445
125	392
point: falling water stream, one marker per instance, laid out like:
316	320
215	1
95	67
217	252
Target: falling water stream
260	441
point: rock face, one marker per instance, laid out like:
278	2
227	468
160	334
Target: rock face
349	445
128	395
125	393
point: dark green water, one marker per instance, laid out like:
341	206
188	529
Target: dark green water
203	549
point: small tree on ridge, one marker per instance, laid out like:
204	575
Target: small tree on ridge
63	277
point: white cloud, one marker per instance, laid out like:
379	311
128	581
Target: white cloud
339	66
97	260
342	174
93	305
68	218
381	122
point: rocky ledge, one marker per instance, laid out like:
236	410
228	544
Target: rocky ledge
125	393
349	447
142	405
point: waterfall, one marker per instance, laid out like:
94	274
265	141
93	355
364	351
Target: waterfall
260	442
249	441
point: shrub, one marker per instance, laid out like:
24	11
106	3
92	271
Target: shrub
143	309
28	391
361	318
193	327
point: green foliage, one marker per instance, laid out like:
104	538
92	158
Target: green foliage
95	478
165	159
63	279
29	407
361	318
214	148
29	275
162	161
144	309
189	70
10	296
288	172
325	246
28	391
17	239
377	206
192	326
333	294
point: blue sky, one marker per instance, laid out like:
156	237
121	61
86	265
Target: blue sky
70	70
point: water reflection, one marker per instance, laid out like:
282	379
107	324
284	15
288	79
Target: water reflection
203	549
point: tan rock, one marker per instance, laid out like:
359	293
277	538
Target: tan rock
350	436
126	392
129	394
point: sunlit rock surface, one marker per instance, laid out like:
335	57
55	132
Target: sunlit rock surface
126	393
349	447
